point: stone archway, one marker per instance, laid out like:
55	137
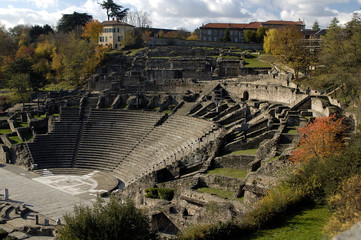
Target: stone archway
245	96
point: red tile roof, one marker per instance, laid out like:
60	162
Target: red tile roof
224	25
280	22
108	23
251	25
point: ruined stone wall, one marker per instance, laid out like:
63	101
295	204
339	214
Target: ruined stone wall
198	43
271	93
232	161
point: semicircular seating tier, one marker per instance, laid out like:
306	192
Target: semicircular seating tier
130	144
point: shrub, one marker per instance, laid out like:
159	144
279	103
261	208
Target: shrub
166	193
114	220
160	193
320	179
225	231
276	204
347	206
3	233
151	193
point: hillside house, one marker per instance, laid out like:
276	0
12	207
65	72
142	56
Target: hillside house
113	33
214	32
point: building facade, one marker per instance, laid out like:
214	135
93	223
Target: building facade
113	33
214	32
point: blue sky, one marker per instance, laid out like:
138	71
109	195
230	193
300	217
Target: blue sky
188	14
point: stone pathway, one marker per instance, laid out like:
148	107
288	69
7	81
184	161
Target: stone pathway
43	198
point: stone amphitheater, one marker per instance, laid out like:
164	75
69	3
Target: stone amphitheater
148	122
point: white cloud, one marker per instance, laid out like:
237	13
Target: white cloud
187	13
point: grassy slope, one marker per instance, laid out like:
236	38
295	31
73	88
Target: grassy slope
229	172
305	225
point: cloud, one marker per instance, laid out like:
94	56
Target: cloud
189	14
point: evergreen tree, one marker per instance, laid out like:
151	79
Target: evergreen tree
316	26
113	9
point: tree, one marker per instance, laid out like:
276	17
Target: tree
132	39
139	19
113	9
269	39
316	26
114	220
260	34
92	30
227	35
20	87
74	21
146	36
250	36
36	31
340	59
320	139
287	46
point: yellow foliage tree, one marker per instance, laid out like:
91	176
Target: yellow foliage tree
269	40
92	30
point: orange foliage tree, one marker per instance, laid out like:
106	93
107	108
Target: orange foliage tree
92	30
319	139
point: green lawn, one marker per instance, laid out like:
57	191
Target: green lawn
39	117
247	152
5	131
15	139
306	225
291	131
255	63
229	172
23	124
219	193
61	85
134	51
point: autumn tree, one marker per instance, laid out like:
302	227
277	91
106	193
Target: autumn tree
113	9
92	30
319	139
286	44
132	39
146	36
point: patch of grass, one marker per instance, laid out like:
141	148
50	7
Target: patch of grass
23	124
247	152
255	63
220	193
40	116
15	139
307	224
291	131
5	131
134	51
229	172
274	158
161	57
65	85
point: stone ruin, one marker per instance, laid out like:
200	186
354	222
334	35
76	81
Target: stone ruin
170	136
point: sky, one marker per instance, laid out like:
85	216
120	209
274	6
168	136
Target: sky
188	14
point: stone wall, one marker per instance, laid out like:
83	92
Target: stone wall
198	43
271	93
232	161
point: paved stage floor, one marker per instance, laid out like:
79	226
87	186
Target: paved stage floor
51	196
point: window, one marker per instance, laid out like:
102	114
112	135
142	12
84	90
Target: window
209	32
117	29
101	39
215	39
106	39
119	38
